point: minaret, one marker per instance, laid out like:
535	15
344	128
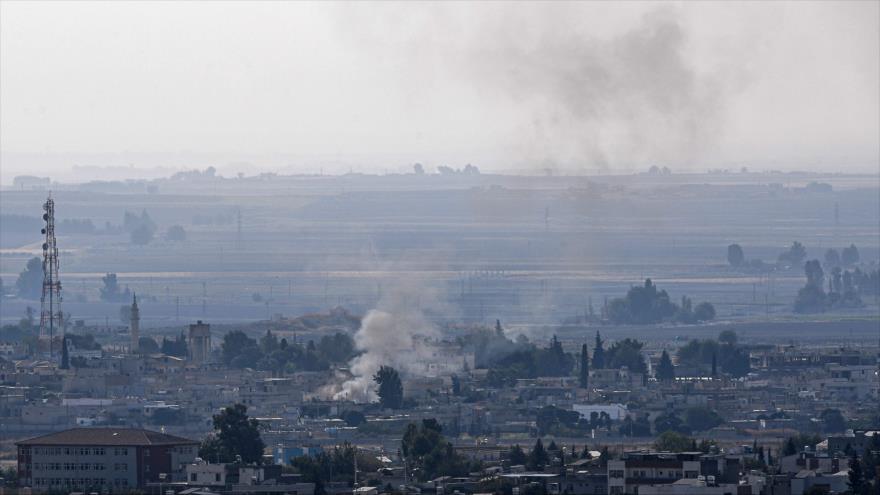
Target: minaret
135	324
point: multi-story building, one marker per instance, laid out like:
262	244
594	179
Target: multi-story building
96	459
637	469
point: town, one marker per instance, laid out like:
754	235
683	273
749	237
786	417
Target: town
440	247
334	402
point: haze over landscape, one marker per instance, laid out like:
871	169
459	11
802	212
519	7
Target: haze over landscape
524	248
595	88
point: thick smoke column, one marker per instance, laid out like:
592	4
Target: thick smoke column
389	335
578	96
631	98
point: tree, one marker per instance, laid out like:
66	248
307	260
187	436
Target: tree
456	385
833	421
268	342
728	337
672	441
175	233
704	311
235	344
702	418
538	457
598	353
235	434
850	255
10	476
111	292
418	169
626	352
584	377
390	388
812	298
669	422
665	368
336	348
142	234
30	282
642	304
353	418
427	451
516	456
65	354
832	258
735	256
147	345
856	481
795	254
815	274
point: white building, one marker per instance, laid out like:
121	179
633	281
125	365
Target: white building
203	474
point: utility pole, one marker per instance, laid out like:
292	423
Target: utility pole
238	238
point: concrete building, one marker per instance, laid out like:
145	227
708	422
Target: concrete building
96	459
199	343
635	470
202	473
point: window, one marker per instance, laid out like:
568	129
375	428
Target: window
616	473
98	467
99	451
193	477
84	451
84	466
216	476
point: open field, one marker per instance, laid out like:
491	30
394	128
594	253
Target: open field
535	252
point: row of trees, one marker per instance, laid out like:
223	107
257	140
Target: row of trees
794	256
278	355
551	420
646	305
511	361
724	354
844	288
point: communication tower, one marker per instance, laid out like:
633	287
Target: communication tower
51	317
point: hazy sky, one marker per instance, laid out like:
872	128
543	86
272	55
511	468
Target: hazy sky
571	86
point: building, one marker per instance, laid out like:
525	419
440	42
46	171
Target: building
635	470
96	459
201	473
856	441
199	343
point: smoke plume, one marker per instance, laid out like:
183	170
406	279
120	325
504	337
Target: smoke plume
395	333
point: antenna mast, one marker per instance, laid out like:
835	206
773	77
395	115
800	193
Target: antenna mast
51	316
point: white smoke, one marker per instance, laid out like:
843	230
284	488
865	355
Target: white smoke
394	334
